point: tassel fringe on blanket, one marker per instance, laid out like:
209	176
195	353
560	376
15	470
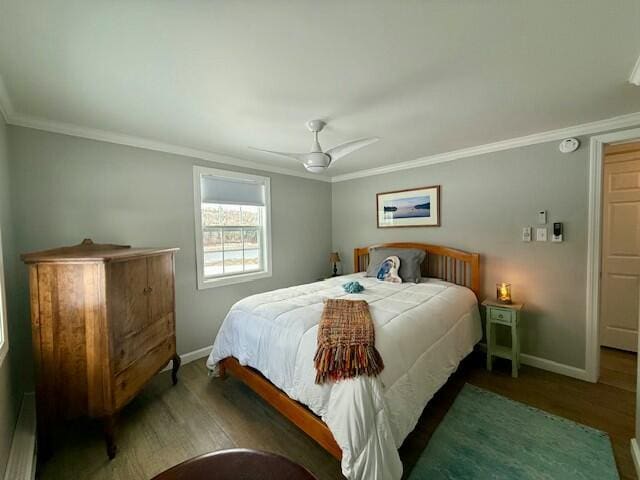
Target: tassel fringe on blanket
346	342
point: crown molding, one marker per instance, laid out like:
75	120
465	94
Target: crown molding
149	144
635	74
6	108
622	121
12	118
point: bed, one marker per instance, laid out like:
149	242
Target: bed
423	331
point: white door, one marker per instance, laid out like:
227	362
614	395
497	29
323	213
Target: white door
620	285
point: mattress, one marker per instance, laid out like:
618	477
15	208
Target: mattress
422	330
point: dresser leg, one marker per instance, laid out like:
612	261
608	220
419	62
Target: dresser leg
44	444
109	427
176	361
45	415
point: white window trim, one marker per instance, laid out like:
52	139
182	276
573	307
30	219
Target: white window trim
204	282
4	346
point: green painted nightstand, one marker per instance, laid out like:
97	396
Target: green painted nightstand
508	315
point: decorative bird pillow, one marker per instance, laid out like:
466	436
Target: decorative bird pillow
388	271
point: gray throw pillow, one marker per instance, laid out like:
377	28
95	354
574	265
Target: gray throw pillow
410	261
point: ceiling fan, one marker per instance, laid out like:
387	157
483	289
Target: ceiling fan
317	160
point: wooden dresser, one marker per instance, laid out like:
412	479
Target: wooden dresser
103	324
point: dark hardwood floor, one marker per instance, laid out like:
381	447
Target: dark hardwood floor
167	425
618	368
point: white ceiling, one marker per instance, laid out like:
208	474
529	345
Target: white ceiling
425	76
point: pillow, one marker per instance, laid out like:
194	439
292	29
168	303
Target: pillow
410	261
388	271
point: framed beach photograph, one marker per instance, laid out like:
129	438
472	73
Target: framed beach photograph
416	207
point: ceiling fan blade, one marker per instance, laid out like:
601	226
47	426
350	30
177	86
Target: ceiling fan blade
345	149
301	157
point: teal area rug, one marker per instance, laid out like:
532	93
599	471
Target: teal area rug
487	436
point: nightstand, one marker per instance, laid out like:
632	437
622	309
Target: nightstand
509	316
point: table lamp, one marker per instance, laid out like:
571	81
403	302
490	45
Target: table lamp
334	259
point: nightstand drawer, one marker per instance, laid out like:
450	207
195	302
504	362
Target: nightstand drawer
502	315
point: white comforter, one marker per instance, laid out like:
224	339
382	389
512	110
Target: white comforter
422	330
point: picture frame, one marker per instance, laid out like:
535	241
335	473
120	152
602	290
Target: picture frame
413	207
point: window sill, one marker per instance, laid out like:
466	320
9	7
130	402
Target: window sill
231	280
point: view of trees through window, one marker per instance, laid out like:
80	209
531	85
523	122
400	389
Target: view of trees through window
231	238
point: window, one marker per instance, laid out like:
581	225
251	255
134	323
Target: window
4	339
233	236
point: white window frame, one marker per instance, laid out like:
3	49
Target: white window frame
4	330
203	281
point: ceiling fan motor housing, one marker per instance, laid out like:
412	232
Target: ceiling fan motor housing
316	161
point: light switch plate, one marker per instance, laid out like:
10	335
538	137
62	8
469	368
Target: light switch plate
526	234
542	217
541	234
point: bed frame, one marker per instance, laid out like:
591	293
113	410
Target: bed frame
455	266
449	264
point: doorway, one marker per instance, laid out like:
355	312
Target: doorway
619	312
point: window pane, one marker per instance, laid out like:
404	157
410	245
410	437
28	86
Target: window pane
231	215
211	215
252	259
250	216
232	239
251	238
233	261
232	249
213	263
212	242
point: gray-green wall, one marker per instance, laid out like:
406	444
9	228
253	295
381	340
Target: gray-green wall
12	378
485	202
66	189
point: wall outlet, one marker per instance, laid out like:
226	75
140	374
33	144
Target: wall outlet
541	234
526	234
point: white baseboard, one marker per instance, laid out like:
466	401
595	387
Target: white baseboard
192	356
635	454
549	365
22	457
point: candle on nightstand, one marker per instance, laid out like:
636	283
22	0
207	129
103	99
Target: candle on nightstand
503	292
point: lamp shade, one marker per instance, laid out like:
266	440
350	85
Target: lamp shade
334	257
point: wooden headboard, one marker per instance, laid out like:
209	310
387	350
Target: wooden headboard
449	264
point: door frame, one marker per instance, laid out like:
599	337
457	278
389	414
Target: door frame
594	234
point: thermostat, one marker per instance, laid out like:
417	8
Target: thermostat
557	232
569	145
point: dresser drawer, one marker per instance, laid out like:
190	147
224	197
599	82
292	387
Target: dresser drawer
130	381
136	345
502	315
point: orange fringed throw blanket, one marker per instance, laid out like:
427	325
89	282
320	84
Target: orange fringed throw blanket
346	342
